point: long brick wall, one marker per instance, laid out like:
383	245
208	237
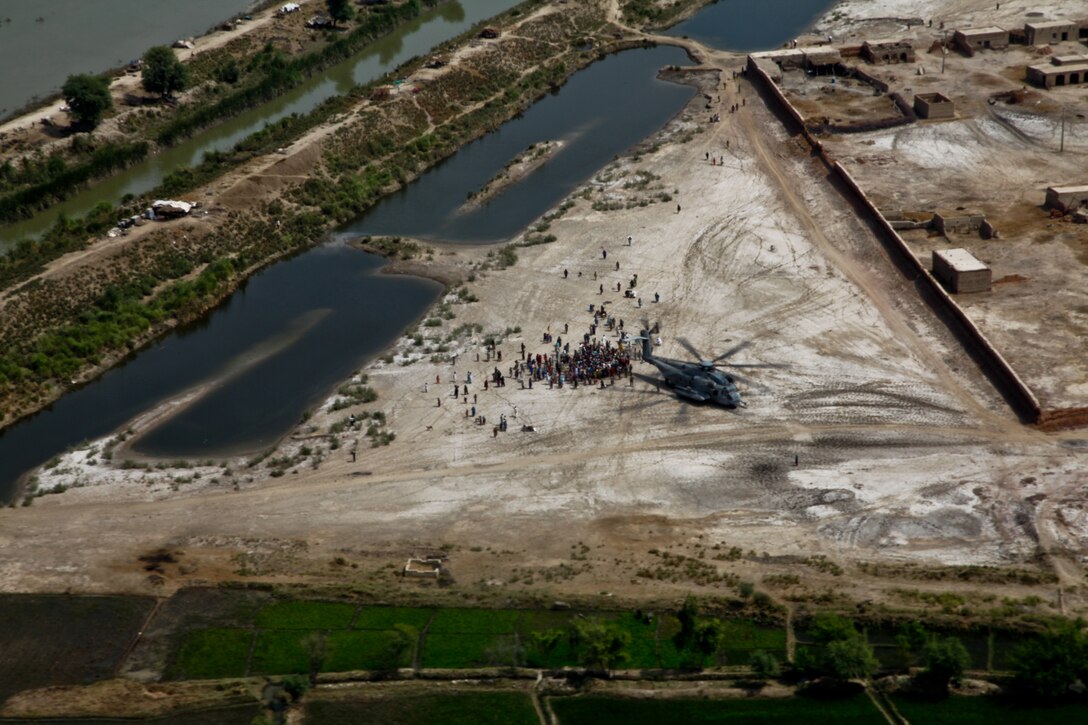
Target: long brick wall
993	364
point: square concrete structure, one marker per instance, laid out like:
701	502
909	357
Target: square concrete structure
1051	31
973	40
887	50
960	272
1054	76
1067	198
934	105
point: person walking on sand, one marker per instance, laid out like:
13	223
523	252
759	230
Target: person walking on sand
564	274
631	239
426	387
604	254
677	208
602	290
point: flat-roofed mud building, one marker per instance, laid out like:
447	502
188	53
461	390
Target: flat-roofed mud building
1051	31
887	50
1056	76
960	272
972	40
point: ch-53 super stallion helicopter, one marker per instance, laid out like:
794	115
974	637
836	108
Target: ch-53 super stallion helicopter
701	381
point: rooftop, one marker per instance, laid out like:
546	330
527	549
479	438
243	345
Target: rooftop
960	260
1044	24
1068	189
886	41
1056	69
991	30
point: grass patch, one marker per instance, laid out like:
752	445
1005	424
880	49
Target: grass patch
211	654
989	710
478	708
598	710
303	614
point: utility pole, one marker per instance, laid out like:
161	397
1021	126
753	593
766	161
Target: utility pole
1061	149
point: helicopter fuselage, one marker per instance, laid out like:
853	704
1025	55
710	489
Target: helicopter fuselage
698	381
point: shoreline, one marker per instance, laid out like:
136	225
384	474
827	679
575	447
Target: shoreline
447	275
519	167
88	374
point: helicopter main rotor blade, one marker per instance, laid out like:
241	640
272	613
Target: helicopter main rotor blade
749	382
732	351
753	365
686	344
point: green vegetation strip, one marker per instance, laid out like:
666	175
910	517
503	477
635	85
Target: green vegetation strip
394	151
600	710
281	74
957	710
61	179
490	708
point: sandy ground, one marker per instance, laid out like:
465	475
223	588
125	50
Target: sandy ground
878	439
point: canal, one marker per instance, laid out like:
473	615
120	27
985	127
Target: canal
413	38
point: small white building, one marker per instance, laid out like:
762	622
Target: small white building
959	271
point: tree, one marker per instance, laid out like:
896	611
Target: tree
542	645
911	640
699	638
845	653
764	665
163	73
88	98
945	659
1051	663
340	10
598	644
849	659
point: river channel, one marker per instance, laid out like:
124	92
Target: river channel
283	341
412	38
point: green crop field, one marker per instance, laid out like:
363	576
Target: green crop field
481	708
212	653
367	650
467	650
475	621
856	710
302	614
282	652
388	617
988	710
58	639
